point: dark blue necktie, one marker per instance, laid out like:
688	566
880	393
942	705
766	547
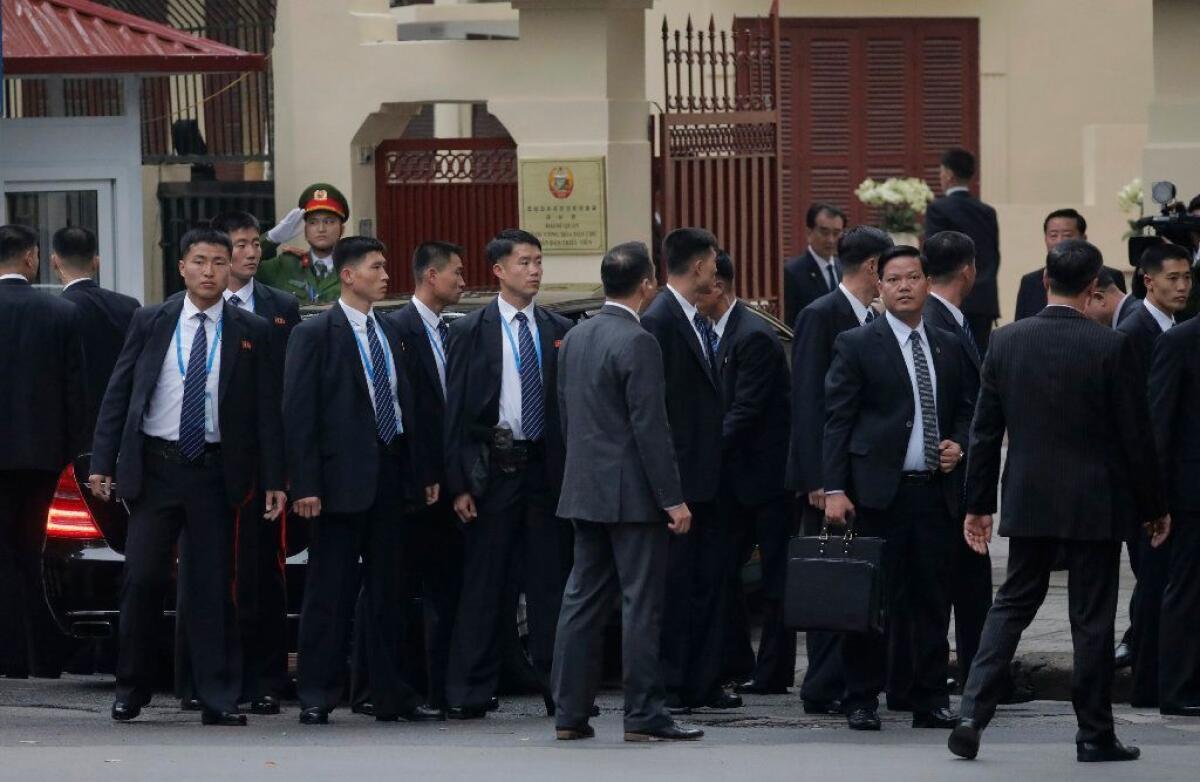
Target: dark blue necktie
385	408
929	423
533	413
191	412
714	340
870	316
443	334
706	336
970	338
833	282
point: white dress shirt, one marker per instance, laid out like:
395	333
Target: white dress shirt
72	282
14	276
245	295
432	320
619	305
823	264
161	418
914	457
1163	320
956	188
860	309
510	377
325	263
689	312
957	314
358	323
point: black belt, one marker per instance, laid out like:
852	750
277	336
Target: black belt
168	451
918	476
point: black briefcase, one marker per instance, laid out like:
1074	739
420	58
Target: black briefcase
834	583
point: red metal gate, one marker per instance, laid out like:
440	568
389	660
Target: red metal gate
461	190
717	162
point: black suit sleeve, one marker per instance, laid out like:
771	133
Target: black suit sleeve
1166	370
790	296
843	394
756	357
456	393
302	411
935	221
987	436
967	384
810	361
291	312
270	423
77	413
1134	434
561	390
110	421
645	385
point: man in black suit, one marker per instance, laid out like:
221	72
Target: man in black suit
815	329
42	428
693	640
356	470
103	315
1174	388
1059	226
504	461
958	210
621	491
1071	489
756	507
899	407
1166	271
816	271
1110	304
435	548
189	442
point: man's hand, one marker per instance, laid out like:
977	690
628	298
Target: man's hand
839	509
816	498
276	501
307	508
1158	530
464	506
681	519
101	486
950	454
291	248
432	492
977	530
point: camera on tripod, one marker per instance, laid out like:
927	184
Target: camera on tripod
1172	224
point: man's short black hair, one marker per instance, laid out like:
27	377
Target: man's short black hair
959	162
435	254
1194	204
947	252
204	236
861	243
818	209
228	222
1072	265
502	244
901	251
725	271
74	245
623	269
16	240
684	245
1156	255
351	249
1067	213
1108	277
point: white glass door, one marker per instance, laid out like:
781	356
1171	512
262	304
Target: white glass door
51	205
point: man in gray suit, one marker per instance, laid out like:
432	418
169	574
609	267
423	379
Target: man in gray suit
621	490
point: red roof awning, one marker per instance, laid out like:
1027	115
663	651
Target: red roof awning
59	37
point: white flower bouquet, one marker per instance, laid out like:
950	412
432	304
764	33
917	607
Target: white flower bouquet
1129	201
901	202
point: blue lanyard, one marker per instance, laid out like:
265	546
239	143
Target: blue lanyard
387	356
435	341
537	345
212	351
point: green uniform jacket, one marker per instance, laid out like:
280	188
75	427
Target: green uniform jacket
294	274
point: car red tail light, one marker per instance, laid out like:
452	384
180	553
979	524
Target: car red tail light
69	516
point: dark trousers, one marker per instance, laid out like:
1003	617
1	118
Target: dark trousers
970	599
1092	606
337	541
1154	565
824	678
693	639
28	633
1179	638
613	562
919	542
182	503
770	526
516	513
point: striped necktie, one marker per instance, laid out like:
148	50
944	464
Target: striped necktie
385	407
533	413
929	425
191	411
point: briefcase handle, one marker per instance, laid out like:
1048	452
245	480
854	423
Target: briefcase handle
847	537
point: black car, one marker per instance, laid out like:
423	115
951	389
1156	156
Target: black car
85	538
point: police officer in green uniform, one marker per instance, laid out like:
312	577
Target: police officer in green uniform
310	276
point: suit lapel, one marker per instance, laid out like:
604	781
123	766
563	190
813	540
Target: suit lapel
546	338
161	337
731	327
231	341
813	270
884	333
688	332
847	319
411	319
345	340
489	334
264	303
941	363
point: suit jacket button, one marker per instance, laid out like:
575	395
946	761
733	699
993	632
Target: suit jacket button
908	424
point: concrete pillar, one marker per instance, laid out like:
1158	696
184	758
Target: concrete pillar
1173	147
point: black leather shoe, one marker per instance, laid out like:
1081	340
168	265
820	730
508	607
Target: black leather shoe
123	712
365	708
823	707
466	712
574	734
314	716
493	703
1181	711
189	704
964	739
753	688
267	704
1104	752
670	732
1123	657
863	719
725	700
224	718
938	718
424	713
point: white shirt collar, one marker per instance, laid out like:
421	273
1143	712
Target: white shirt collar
190	310
689	309
13	276
959	318
902	330
1117	310
508	311
719	326
860	309
431	318
611	303
957	189
822	262
244	293
357	319
327	261
1163	320
72	282
1068	306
